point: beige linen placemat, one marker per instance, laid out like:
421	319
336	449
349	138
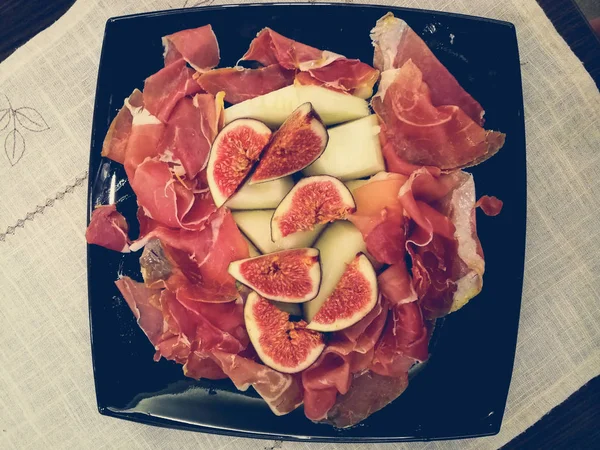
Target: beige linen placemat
47	397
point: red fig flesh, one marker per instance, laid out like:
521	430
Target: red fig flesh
290	276
354	296
313	201
284	345
233	153
299	141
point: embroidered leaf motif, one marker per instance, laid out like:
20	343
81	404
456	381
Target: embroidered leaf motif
30	119
14	146
5	115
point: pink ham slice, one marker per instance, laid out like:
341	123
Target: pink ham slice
190	131
197	46
447	258
108	228
396	43
422	134
282	392
379	217
491	206
166	87
241	84
201	258
348	351
314	66
395	284
115	141
405	340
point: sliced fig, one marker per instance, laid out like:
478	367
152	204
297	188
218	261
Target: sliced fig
354	296
256	225
296	144
273	108
338	245
290	276
260	196
233	153
281	344
353	151
313	201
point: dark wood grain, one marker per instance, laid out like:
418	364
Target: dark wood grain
572	425
20	20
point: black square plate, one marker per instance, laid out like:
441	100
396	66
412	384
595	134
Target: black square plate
462	390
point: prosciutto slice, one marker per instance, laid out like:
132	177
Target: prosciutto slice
313	66
491	206
369	393
379	217
196	46
348	351
190	131
447	269
405	340
199	259
241	84
396	43
166	87
282	392
108	228
395	284
422	134
115	141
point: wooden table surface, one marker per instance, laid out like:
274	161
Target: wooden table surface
575	424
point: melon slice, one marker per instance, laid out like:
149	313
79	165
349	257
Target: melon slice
338	246
353	151
291	276
256	225
354	296
273	108
265	195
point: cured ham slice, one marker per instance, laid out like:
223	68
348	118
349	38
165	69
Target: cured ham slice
370	392
197	46
108	228
150	307
115	142
282	392
396	43
348	351
491	206
422	134
315	66
199	259
405	340
241	84
190	131
379	217
166	87
447	270
395	284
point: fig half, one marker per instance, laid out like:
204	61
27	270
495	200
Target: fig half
354	296
298	142
313	201
338	245
233	153
290	276
281	344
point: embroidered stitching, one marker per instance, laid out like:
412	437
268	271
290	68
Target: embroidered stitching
41	208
